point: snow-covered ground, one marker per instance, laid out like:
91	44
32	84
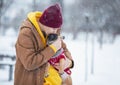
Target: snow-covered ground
106	63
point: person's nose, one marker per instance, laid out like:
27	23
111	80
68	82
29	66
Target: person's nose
55	31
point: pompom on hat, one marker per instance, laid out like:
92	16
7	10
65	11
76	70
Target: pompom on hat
52	16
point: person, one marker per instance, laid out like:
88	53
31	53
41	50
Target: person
32	53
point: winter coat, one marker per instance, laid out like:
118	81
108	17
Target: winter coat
31	53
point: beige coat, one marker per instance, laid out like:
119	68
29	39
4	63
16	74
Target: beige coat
32	56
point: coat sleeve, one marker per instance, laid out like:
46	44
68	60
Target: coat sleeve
25	51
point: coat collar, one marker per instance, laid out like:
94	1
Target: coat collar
33	16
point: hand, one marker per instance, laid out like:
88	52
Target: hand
68	64
57	43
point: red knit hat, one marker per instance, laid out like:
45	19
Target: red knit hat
52	16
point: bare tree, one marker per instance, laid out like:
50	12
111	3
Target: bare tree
4	5
101	15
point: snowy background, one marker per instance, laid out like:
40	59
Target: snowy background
96	54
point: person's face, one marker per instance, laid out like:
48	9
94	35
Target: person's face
48	30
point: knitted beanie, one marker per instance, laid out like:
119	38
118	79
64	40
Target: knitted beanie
52	16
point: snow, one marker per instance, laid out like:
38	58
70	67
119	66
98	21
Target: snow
106	62
7	43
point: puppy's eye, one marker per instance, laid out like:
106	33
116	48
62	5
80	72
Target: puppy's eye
52	37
